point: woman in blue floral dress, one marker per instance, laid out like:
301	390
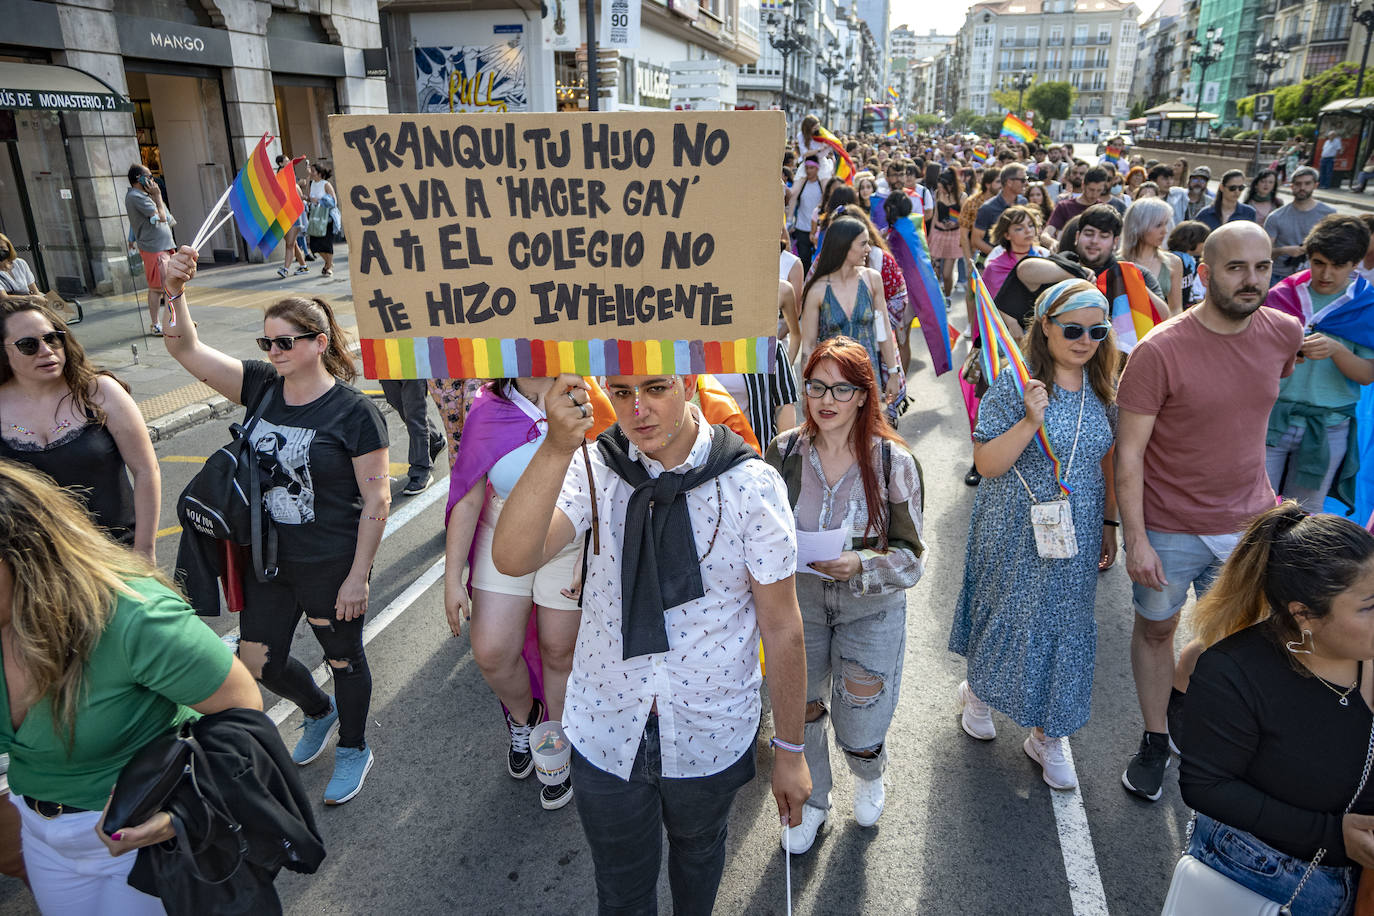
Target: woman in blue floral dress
1025	621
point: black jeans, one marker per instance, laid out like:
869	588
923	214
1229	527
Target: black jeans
624	823
410	399
270	613
805	250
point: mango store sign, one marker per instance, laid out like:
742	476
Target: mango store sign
533	244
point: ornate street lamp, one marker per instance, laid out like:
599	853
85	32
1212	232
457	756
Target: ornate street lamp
1204	55
829	68
1270	56
1021	82
1366	19
785	35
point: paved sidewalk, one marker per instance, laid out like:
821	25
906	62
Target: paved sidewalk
1343	197
227	305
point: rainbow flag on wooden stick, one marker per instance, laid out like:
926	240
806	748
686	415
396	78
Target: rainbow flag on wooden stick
1000	351
258	199
844	166
1018	130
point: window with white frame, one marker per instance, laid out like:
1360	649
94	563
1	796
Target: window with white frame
1009	35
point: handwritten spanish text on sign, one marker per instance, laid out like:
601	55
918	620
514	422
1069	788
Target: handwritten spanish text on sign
532	244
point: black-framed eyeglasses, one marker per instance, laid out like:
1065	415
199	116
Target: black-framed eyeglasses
1075	331
842	392
284	343
28	346
1235	187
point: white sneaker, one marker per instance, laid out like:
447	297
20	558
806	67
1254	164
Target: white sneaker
975	715
798	839
1049	753
869	797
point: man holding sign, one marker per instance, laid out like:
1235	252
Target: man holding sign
691	556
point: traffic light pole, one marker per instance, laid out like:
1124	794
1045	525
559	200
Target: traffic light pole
593	62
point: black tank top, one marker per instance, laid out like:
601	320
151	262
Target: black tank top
87	462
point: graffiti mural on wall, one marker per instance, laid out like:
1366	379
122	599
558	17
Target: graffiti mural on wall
471	78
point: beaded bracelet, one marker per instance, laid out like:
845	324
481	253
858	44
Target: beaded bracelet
788	746
375	518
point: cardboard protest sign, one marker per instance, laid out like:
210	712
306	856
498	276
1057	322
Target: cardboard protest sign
625	243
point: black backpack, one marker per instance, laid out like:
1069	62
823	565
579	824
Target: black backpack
224	500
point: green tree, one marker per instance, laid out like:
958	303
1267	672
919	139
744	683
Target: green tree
1005	99
1305	99
963	119
988	125
1051	101
926	121
1137	110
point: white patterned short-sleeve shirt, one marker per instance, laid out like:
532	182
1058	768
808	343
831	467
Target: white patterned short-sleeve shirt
707	683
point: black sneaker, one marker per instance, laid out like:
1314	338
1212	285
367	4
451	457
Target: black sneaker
1175	718
1144	775
418	483
519	760
555	797
436	447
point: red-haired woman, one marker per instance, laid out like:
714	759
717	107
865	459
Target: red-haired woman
853	485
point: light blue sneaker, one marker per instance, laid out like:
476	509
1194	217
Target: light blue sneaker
351	766
316	734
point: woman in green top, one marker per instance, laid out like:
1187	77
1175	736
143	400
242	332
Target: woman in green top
99	656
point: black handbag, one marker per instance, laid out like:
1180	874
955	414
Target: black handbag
224	500
147	781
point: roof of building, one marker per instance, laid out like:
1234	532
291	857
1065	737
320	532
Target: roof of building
1036	7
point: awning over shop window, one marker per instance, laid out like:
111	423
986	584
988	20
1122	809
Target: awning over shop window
52	87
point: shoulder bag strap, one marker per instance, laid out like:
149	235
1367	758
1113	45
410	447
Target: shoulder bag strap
1287	908
261	532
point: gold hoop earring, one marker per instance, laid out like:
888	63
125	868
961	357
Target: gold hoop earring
1296	645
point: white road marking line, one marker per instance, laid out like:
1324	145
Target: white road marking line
1076	845
408	512
284	708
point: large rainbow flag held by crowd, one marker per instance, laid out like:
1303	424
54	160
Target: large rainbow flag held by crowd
1015	129
908	243
844	166
263	202
999	352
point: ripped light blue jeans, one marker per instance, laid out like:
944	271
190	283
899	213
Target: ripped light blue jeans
854	651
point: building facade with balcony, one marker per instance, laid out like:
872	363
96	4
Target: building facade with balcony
1318	34
1091	44
1161	62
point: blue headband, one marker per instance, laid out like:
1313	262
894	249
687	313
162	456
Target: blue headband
1082	299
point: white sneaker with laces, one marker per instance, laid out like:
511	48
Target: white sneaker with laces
975	715
1049	753
799	839
869	798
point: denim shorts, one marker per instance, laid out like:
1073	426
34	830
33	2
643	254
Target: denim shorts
1187	560
1253	863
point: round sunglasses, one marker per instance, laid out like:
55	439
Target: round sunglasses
1074	331
28	346
284	343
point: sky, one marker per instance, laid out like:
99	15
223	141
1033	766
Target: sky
946	18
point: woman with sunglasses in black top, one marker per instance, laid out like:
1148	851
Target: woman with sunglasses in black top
326	445
76	424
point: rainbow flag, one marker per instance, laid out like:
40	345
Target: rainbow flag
893	133
1018	130
908	242
257	199
893	94
844	167
999	351
1112	155
286	177
978	156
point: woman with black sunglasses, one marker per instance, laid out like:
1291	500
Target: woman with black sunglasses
76	424
1025	619
326	443
1227	206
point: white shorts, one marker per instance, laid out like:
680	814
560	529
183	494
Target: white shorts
544	585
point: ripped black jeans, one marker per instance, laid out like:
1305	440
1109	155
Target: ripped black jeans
270	614
854	651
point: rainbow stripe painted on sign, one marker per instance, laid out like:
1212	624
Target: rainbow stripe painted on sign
494	357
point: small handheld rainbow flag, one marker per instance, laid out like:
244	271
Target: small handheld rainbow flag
844	167
257	199
1018	130
999	351
893	133
979	157
893	94
1113	155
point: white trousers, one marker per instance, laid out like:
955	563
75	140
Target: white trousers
72	873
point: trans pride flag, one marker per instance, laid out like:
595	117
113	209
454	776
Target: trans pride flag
908	244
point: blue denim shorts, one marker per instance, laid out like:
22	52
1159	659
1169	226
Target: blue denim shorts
1187	561
1253	863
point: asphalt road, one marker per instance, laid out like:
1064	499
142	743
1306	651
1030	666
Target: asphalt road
969	828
